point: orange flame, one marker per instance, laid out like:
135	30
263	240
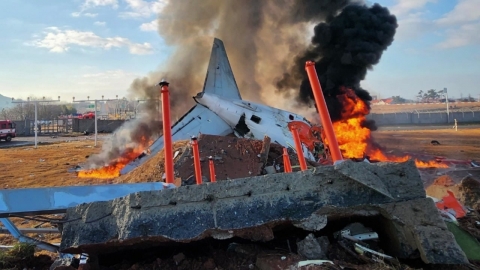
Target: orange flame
355	140
113	169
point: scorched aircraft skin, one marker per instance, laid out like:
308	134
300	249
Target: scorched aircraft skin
220	110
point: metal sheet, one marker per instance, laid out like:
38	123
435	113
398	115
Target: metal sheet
52	200
198	120
25	239
32	230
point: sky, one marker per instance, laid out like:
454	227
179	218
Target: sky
90	48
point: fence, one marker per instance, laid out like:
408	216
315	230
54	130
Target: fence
103	126
57	126
45	127
416	118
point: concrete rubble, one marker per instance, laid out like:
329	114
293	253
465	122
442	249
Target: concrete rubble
389	195
233	158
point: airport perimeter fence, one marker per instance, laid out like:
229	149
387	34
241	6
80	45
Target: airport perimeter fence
62	126
419	118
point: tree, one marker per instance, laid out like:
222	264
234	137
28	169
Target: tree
420	95
398	99
431	94
45	111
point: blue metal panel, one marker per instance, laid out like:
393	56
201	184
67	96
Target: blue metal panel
50	200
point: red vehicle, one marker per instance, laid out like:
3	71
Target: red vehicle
7	130
87	115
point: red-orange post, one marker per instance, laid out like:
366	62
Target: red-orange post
167	132
287	167
323	111
298	147
196	160
212	169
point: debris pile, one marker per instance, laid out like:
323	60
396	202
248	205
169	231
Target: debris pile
467	190
233	158
274	218
459	205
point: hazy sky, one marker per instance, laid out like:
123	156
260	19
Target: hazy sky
97	47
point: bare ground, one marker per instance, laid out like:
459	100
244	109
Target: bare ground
48	165
462	144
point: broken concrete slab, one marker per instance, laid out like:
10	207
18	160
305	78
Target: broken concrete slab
251	208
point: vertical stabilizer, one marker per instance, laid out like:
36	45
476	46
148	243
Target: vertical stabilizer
220	80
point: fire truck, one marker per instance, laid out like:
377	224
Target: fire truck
7	130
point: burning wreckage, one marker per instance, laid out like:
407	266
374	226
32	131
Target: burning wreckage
321	205
220	110
374	211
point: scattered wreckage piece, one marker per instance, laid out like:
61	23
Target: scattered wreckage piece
466	189
390	194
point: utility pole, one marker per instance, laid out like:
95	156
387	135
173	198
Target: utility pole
95	111
448	108
445	94
35	102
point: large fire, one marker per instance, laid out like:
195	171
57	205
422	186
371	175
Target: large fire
354	139
113	169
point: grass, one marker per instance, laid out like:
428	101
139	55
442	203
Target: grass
18	254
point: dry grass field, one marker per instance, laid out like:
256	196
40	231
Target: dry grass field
424	106
48	165
45	166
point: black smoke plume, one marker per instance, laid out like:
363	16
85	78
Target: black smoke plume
343	47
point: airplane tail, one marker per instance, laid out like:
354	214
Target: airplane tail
220	80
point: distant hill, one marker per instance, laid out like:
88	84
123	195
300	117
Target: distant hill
5	102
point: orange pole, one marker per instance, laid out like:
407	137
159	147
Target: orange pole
212	169
196	160
298	147
323	111
167	132
287	167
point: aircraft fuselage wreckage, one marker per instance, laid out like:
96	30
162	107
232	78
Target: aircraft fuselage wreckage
220	110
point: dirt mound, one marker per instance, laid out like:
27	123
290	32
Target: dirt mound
153	169
233	158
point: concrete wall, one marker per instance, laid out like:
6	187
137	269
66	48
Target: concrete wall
408	118
107	126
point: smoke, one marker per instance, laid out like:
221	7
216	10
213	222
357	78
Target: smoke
344	47
267	44
261	37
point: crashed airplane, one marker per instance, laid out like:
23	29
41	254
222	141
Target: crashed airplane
220	110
